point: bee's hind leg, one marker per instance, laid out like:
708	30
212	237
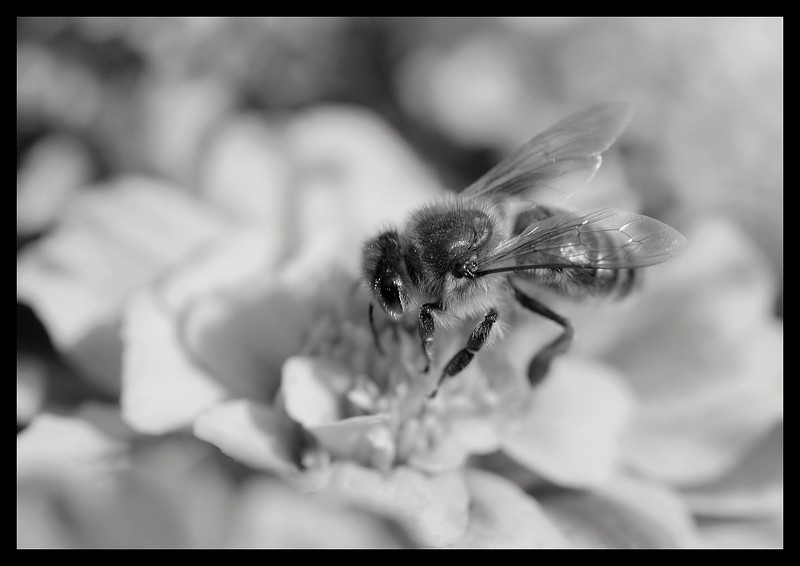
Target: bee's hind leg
540	364
479	336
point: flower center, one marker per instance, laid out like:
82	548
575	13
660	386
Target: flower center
393	384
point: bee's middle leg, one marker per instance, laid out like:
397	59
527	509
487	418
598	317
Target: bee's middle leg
462	358
540	364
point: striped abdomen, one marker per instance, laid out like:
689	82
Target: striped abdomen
577	282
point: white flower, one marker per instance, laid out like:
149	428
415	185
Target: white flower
88	481
255	337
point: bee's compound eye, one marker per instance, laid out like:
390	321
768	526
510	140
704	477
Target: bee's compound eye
389	289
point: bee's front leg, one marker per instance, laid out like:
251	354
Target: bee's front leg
427	327
375	335
540	364
462	358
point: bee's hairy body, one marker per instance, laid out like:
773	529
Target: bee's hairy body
439	241
430	258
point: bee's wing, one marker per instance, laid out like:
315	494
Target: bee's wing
601	238
573	145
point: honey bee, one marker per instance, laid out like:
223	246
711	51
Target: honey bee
462	257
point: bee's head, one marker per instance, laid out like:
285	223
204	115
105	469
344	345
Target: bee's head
385	272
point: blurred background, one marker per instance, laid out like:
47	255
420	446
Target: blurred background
98	98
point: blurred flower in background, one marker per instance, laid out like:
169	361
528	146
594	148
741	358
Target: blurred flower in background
194	363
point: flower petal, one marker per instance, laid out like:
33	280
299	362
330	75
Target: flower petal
365	439
701	437
355	167
467	436
434	508
168	493
72	445
705	357
501	515
163	389
269	515
752	489
501	464
626	513
741	533
52	173
109	242
244	335
240	257
247	170
31	385
252	433
571	432
65	466
181	483
175	119
312	390
473	91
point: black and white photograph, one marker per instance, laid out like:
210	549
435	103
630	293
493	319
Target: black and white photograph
399	283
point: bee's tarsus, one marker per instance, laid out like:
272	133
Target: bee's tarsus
540	367
457	363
